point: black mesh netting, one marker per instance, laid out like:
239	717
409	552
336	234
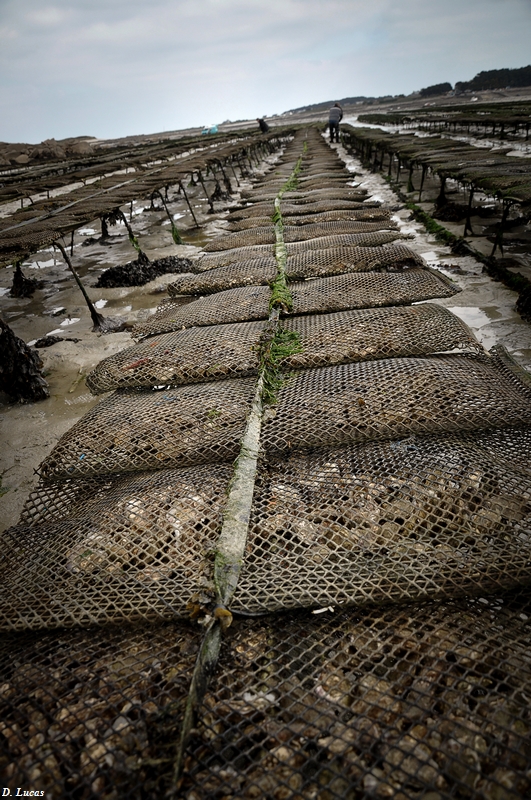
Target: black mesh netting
376	517
294	233
419	701
305	195
194	355
415	702
211	260
394	397
290	209
92	713
338	293
129	548
133	430
220	351
361	215
391	521
313	264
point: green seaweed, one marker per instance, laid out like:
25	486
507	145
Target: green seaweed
283	345
176	236
293	180
280	294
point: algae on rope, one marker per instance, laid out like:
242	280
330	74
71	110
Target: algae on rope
283	345
276	344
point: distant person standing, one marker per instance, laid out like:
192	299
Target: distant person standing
264	127
335	115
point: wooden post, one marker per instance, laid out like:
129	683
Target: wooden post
201	181
188	203
498	241
410	187
468	226
424	169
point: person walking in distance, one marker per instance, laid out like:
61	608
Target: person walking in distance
335	115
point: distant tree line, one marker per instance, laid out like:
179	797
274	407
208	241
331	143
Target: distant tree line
437	88
490	79
497	79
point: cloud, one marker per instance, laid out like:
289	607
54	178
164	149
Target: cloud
116	67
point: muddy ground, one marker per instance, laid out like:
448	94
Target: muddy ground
30	431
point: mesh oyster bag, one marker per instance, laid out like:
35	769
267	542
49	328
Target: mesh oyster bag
233	305
194	355
375	333
82	711
313	264
299	196
290	209
209	353
360	215
392	398
294	233
417	700
137	549
305	179
135	430
338	293
369	290
390	521
224	257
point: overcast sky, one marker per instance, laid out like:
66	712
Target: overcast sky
110	68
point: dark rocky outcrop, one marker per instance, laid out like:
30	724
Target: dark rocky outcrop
138	272
20	369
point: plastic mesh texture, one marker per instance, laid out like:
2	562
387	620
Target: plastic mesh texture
361	215
413	701
338	293
220	259
84	713
138	549
130	431
335	260
394	397
303	185
234	305
303	196
406	702
304	180
407	519
257	271
313	264
368	334
320	407
377	522
21	239
194	355
290	209
199	354
294	233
